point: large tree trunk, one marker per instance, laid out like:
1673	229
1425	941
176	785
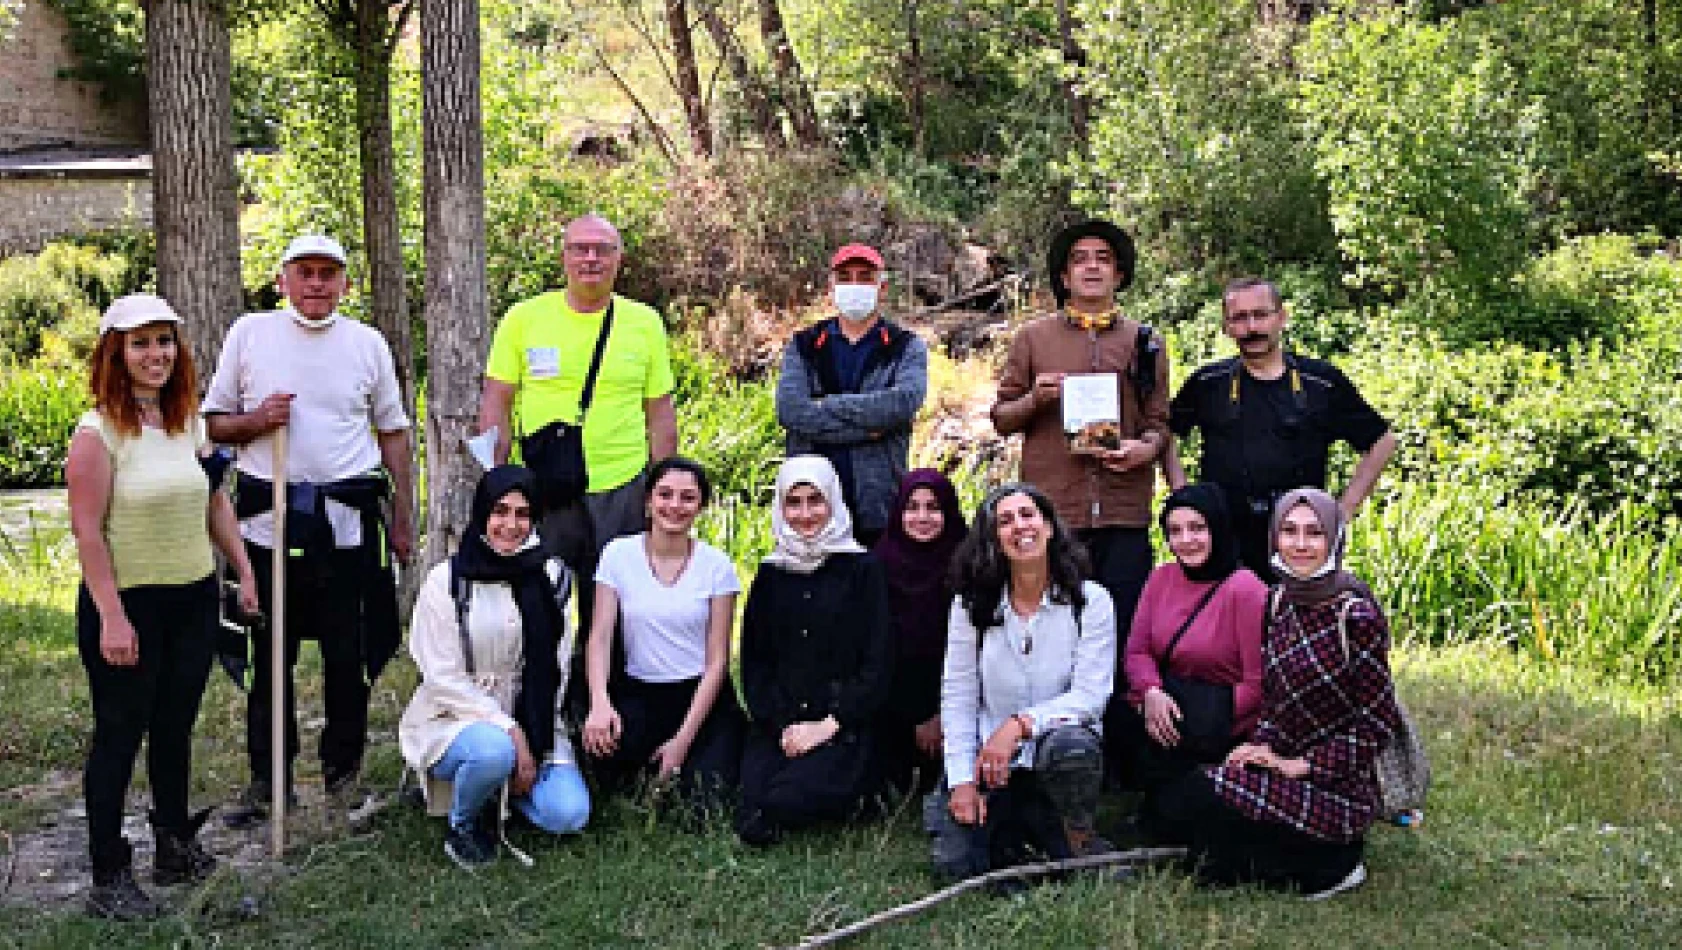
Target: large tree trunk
688	77
375	37
456	331
196	201
754	94
797	98
1073	57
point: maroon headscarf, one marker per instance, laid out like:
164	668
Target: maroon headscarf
918	593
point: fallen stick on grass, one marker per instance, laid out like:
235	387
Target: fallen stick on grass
1023	872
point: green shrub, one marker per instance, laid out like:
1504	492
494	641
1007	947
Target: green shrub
38	411
61	291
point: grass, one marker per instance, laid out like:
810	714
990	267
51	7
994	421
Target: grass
1554	822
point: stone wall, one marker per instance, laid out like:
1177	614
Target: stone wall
38	209
40	110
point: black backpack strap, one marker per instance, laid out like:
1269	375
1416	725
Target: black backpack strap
461	590
1190	618
589	391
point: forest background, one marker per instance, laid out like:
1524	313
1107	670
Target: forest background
1474	208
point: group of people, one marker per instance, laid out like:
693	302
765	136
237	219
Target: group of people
1011	667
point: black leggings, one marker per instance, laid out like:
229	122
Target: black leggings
651	713
1231	848
157	699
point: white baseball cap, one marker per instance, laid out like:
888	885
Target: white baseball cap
313	245
136	310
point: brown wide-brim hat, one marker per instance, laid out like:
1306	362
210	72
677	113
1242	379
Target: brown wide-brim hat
1057	259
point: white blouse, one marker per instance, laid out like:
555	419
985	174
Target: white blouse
1042	666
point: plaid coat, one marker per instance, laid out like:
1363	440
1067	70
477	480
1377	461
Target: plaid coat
1328	699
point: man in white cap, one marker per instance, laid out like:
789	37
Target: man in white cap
333	382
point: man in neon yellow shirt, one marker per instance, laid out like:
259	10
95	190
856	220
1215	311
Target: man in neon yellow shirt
540	356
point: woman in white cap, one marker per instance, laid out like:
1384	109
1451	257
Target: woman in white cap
817	654
145	506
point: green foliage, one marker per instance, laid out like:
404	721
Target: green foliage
50	302
1424	145
1193	142
38	409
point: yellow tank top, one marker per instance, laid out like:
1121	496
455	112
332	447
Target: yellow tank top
156	523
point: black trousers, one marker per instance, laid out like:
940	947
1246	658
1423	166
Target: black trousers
1253	548
651	713
157	699
323	603
831	782
1121	562
1231	848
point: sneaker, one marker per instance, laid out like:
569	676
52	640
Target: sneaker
118	897
349	798
178	857
1355	878
252	805
756	829
471	847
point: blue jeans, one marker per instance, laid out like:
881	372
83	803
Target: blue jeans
482	758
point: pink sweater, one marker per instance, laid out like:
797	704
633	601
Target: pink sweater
1222	646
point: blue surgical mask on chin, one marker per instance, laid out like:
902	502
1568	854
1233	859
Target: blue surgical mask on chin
856	301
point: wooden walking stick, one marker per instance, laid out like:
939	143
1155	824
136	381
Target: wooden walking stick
280	677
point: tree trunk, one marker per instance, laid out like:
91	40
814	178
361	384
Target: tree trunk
456	331
754	94
1073	57
688	77
797	99
916	87
375	41
195	196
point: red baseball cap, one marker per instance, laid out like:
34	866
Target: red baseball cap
856	252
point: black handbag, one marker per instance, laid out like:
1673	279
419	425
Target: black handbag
555	453
1205	725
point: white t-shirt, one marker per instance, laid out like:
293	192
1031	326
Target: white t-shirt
346	389
665	627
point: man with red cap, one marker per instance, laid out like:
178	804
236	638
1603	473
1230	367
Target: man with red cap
851	387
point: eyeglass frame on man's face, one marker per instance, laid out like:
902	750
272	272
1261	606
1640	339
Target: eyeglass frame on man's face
598	249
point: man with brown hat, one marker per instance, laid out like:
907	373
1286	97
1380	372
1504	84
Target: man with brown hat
1100	482
851	387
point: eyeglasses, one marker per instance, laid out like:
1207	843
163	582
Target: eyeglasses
591	248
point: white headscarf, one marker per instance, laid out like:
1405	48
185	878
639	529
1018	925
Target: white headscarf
805	555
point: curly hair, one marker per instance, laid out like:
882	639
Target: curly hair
981	572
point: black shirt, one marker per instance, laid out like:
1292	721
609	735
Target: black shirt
1274	438
817	644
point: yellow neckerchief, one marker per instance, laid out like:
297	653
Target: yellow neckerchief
1102	320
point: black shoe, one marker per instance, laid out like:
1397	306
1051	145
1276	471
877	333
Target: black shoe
116	896
471	846
756	829
252	805
179	858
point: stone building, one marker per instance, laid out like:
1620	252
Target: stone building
69	161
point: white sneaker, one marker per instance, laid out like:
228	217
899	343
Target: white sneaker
1352	880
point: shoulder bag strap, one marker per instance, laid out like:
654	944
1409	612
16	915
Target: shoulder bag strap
1190	618
461	590
595	364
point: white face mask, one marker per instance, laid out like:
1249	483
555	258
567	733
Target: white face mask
856	301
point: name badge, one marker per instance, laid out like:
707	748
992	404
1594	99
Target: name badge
543	362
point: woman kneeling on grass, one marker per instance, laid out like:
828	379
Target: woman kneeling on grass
489	635
1194	654
145	507
1289	807
667	706
1030	659
816	660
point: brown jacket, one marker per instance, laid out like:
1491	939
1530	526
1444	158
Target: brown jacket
1086	494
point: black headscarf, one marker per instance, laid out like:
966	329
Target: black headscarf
541	620
917	571
1209	501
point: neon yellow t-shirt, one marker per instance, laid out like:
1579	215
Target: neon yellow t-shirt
542	347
